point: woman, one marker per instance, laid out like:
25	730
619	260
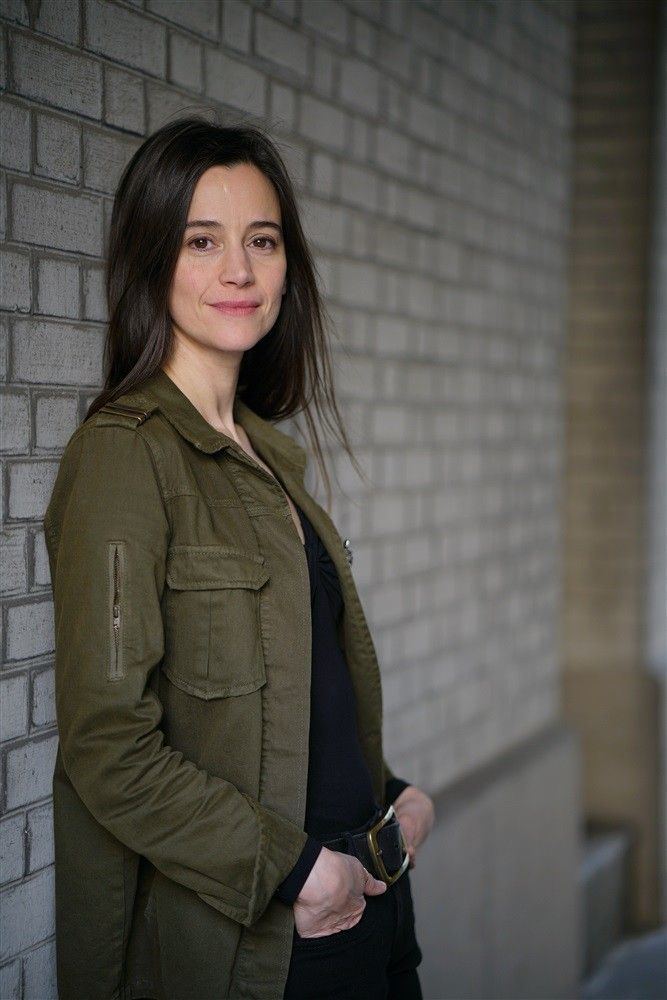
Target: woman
218	696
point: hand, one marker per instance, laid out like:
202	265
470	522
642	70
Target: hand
332	897
415	812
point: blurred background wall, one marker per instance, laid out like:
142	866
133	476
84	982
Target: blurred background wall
610	696
476	178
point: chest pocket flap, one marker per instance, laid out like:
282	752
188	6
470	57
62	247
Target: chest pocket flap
213	621
204	567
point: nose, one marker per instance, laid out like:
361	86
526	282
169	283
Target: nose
235	266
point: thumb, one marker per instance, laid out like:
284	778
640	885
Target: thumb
373	886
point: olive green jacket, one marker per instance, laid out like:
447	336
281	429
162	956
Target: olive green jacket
183	657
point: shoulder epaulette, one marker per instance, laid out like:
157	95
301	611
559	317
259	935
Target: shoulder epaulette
128	415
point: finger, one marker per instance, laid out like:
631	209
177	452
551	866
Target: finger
373	886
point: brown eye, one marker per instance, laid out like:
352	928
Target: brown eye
199	239
265	239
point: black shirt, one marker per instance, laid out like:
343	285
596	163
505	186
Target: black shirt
339	795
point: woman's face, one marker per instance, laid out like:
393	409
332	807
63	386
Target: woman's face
230	275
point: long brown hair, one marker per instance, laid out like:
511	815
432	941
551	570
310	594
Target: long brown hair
289	370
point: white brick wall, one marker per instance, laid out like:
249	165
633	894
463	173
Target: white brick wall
430	143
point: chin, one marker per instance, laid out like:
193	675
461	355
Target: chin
239	342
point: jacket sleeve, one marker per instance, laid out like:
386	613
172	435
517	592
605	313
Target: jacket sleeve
198	829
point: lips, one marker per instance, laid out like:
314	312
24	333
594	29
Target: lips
235	308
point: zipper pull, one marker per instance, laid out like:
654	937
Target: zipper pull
348	550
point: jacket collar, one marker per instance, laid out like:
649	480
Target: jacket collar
163	393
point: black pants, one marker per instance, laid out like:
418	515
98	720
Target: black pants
376	959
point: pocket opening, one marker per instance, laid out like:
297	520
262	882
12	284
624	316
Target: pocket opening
116	667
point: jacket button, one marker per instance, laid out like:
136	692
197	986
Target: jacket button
348	550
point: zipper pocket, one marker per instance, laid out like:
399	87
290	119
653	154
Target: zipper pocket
117	612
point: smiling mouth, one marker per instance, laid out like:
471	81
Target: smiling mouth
232	310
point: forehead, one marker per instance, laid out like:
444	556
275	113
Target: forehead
235	190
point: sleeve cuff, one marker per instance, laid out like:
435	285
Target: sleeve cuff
290	887
393	788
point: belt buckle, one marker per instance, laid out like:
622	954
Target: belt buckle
376	850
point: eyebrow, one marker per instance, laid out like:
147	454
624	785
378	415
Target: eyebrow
218	225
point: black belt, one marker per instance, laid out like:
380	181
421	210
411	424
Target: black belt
379	845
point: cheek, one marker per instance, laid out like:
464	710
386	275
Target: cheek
275	281
189	283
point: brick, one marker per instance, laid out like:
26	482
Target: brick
40	837
3	204
359	186
357	377
323	175
43	698
14	136
58	287
234	83
360	86
281	45
394	55
57	353
364	38
323	123
29	630
41	571
105	156
430	122
392	152
15	422
15	10
327	18
14	281
286	8
13	566
358	282
60	20
27	913
57	148
393	336
198	16
10	981
56	76
324	224
3	59
236	25
295	156
56	418
56	218
185	62
126	37
4	348
29	486
390	424
13	707
40	973
124	104
12	851
94	293
163	104
324	69
29	770
283	107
